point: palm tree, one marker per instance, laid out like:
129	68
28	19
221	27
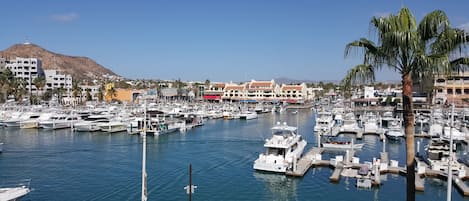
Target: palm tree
111	91
88	95
39	82
101	93
407	48
76	90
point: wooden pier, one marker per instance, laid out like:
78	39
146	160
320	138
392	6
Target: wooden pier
305	162
335	177
347	168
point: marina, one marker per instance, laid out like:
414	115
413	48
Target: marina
240	141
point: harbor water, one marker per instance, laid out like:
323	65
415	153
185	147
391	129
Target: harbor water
66	165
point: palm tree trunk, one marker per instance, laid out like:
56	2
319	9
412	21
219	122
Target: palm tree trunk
409	133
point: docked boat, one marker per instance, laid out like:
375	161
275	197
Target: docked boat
394	131
92	123
335	144
15	120
1	147
33	122
59	121
248	115
113	126
282	149
371	124
438	155
350	124
324	122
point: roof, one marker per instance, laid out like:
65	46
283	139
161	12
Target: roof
260	84
234	87
292	88
219	85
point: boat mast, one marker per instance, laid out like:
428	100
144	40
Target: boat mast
450	161
144	151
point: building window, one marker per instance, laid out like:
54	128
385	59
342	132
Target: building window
466	91
458	91
449	91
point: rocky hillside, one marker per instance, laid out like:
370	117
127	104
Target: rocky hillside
82	68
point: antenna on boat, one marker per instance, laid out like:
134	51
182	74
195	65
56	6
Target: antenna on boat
144	151
190	188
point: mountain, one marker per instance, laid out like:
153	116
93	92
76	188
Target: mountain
81	68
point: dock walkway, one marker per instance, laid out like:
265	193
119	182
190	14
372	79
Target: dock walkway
305	162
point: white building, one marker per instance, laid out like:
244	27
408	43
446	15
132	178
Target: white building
55	79
93	89
25	68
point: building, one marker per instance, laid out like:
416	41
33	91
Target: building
235	92
259	91
55	79
25	68
456	85
293	93
214	92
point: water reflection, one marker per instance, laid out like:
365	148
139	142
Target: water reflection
280	187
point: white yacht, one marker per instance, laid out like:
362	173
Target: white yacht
15	120
371	124
350	124
395	130
386	119
113	126
59	121
1	147
248	115
324	122
15	192
92	123
282	149
34	122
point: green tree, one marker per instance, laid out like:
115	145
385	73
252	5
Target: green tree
76	90
88	95
39	82
101	93
111	92
407	48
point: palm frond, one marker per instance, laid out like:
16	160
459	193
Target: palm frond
362	73
449	40
432	24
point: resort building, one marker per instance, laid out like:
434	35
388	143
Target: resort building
294	93
235	92
258	91
25	68
214	92
456	84
261	90
55	79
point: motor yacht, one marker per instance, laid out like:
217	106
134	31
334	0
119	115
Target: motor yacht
282	149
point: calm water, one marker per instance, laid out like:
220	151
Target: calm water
98	166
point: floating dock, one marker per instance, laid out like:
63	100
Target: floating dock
305	163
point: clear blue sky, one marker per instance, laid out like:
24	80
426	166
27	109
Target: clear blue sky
220	40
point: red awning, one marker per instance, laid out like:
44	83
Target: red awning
212	97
